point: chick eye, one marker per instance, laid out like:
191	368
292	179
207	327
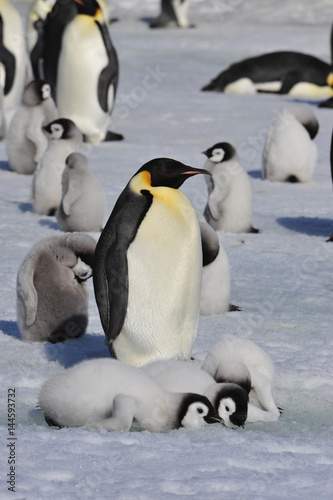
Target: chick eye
227	408
200	410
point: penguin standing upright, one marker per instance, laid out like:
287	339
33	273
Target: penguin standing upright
147	267
15	70
88	73
173	13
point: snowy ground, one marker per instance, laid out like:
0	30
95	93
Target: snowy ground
281	278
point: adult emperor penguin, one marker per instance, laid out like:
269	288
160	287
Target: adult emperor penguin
147	267
26	140
108	394
87	85
230	196
173	13
229	400
65	138
241	361
331	161
290	154
291	73
15	69
52	293
82	206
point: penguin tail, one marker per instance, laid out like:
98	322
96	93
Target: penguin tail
232	308
254	230
209	87
292	178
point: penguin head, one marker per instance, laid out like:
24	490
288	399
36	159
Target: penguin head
222	151
62	128
87	7
76	161
196	411
36	92
231	403
168	172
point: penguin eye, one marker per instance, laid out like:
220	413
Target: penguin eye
227	408
200	410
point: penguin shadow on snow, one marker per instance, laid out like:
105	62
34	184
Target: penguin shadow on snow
10	328
255	174
312	226
4	165
49	223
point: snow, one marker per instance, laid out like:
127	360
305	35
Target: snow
281	278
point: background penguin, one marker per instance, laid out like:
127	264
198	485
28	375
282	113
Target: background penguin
2	116
26	140
229	400
108	394
290	153
215	285
173	13
16	60
290	72
331	160
241	361
82	206
147	273
52	293
87	85
230	197
65	138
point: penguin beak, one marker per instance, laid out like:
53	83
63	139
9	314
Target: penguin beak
195	172
211	419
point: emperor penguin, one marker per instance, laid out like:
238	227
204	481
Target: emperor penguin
287	72
65	138
15	69
173	13
2	116
290	153
26	140
148	266
230	196
215	285
331	161
87	85
52	293
82	206
229	400
241	361
111	395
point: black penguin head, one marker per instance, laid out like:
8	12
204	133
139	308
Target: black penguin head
196	411
231	403
168	172
87	7
62	128
36	92
222	151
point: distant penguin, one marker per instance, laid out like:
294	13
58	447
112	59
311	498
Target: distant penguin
2	116
241	361
52	293
230	196
82	206
293	73
229	400
107	394
290	153
87	85
331	161
173	13
148	266
65	138
26	140
215	285
15	69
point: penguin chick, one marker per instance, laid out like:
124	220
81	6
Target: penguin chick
52	293
65	138
290	153
173	14
230	197
108	394
26	140
148	266
215	285
241	361
229	400
82	206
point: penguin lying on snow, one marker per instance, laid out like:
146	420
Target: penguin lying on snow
230	197
82	206
147	267
26	140
52	293
290	153
173	13
241	361
229	400
108	394
65	138
291	73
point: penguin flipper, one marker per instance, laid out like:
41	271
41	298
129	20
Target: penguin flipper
26	291
36	53
109	75
9	62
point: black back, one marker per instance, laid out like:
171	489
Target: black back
8	60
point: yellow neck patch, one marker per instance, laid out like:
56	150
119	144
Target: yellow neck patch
330	80
169	195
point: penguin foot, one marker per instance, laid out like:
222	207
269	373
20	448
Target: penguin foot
232	308
254	230
112	136
292	179
327	104
281	410
330	239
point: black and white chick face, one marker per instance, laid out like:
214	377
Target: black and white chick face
223	151
231	405
198	413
